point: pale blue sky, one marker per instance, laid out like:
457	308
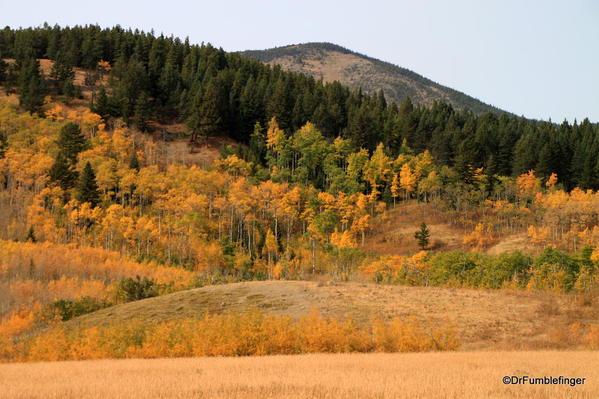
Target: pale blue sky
534	58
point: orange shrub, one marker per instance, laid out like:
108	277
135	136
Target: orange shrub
247	334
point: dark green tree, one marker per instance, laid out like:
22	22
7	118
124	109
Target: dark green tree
142	112
101	104
31	236
422	236
87	188
62	173
31	86
3	68
206	121
71	142
134	161
63	74
3	144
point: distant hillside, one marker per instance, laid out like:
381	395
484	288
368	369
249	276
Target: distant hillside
331	62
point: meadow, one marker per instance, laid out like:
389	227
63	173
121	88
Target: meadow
314	376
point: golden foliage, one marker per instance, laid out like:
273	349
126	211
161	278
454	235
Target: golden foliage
247	334
482	236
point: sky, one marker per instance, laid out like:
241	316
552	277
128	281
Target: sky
534	58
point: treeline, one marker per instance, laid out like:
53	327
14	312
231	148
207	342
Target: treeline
146	77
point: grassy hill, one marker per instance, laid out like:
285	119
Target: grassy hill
331	62
483	319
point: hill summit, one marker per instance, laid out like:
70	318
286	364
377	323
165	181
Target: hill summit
331	62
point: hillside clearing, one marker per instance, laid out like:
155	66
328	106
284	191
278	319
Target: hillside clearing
419	375
484	319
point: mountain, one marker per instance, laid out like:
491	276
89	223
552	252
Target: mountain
332	62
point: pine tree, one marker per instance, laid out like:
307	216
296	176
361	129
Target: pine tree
134	161
257	147
3	68
87	188
62	73
207	120
31	86
62	173
71	142
31	237
422	236
3	145
101	105
142	112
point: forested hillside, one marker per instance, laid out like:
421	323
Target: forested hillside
314	185
147	78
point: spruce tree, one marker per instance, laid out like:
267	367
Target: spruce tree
62	73
31	86
3	68
142	112
3	145
31	237
422	236
87	188
207	120
71	142
62	173
134	161
101	104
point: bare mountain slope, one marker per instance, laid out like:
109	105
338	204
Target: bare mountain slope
331	62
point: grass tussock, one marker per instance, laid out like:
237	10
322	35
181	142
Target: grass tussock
249	334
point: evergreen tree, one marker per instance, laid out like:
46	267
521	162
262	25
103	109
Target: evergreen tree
31	86
3	68
87	188
207	120
62	173
134	161
3	145
62	73
71	142
101	104
31	238
142	112
422	236
257	147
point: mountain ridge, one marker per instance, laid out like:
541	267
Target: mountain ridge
330	61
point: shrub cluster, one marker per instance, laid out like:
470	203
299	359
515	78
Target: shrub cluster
247	334
552	270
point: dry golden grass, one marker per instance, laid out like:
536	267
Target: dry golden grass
429	375
393	232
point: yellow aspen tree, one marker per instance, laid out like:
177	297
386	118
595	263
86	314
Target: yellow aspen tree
528	184
552	181
407	179
271	247
395	187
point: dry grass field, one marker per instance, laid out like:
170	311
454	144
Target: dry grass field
417	375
